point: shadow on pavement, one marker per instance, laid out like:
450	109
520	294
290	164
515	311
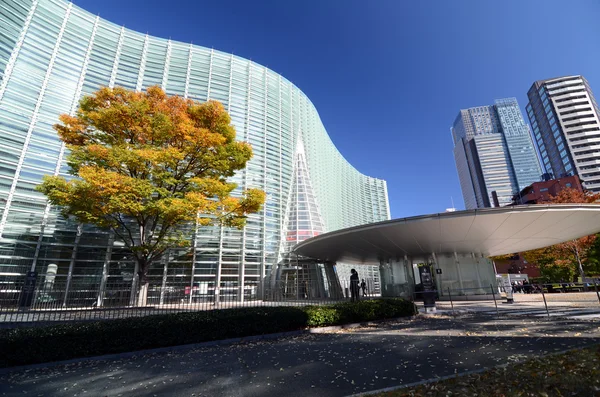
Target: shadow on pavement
338	363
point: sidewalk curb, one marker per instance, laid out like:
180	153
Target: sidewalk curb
231	341
462	374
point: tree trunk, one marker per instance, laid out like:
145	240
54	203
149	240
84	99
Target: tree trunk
143	284
581	272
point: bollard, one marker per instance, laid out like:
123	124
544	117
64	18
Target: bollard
451	304
495	303
545	304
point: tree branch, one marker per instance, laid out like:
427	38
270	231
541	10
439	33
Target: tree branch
163	232
124	226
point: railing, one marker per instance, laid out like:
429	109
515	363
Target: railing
575	300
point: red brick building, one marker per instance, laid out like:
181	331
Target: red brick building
540	191
517	265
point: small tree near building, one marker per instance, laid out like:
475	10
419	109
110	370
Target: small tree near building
147	165
551	268
557	259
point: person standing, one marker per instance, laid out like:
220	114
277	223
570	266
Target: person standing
363	286
353	285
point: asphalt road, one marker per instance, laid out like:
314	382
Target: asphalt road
336	363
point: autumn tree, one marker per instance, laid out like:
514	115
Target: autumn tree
593	258
147	165
559	260
552	268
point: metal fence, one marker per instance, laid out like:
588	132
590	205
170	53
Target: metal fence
64	298
82	298
574	300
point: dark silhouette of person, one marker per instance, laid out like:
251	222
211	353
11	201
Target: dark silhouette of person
353	285
363	286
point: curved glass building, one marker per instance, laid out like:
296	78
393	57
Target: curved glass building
52	53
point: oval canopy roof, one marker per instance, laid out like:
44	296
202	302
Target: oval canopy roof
487	231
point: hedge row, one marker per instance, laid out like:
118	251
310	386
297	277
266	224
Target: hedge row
23	346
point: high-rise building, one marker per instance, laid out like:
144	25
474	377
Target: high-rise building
52	53
494	153
565	120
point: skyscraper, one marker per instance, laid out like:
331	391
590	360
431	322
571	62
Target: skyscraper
565	120
52	53
494	152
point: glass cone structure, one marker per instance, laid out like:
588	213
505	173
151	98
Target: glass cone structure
303	218
298	277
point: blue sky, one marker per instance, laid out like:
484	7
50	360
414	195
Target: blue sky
388	77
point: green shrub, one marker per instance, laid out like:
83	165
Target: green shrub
22	346
350	312
319	316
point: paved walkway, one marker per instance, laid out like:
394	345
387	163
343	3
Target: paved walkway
576	306
336	363
569	313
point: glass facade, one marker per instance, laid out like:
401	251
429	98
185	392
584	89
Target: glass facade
525	162
494	152
52	53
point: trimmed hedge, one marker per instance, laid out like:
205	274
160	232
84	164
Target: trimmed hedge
21	346
354	312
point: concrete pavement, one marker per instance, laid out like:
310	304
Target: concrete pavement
335	363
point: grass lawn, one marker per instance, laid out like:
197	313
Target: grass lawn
576	373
